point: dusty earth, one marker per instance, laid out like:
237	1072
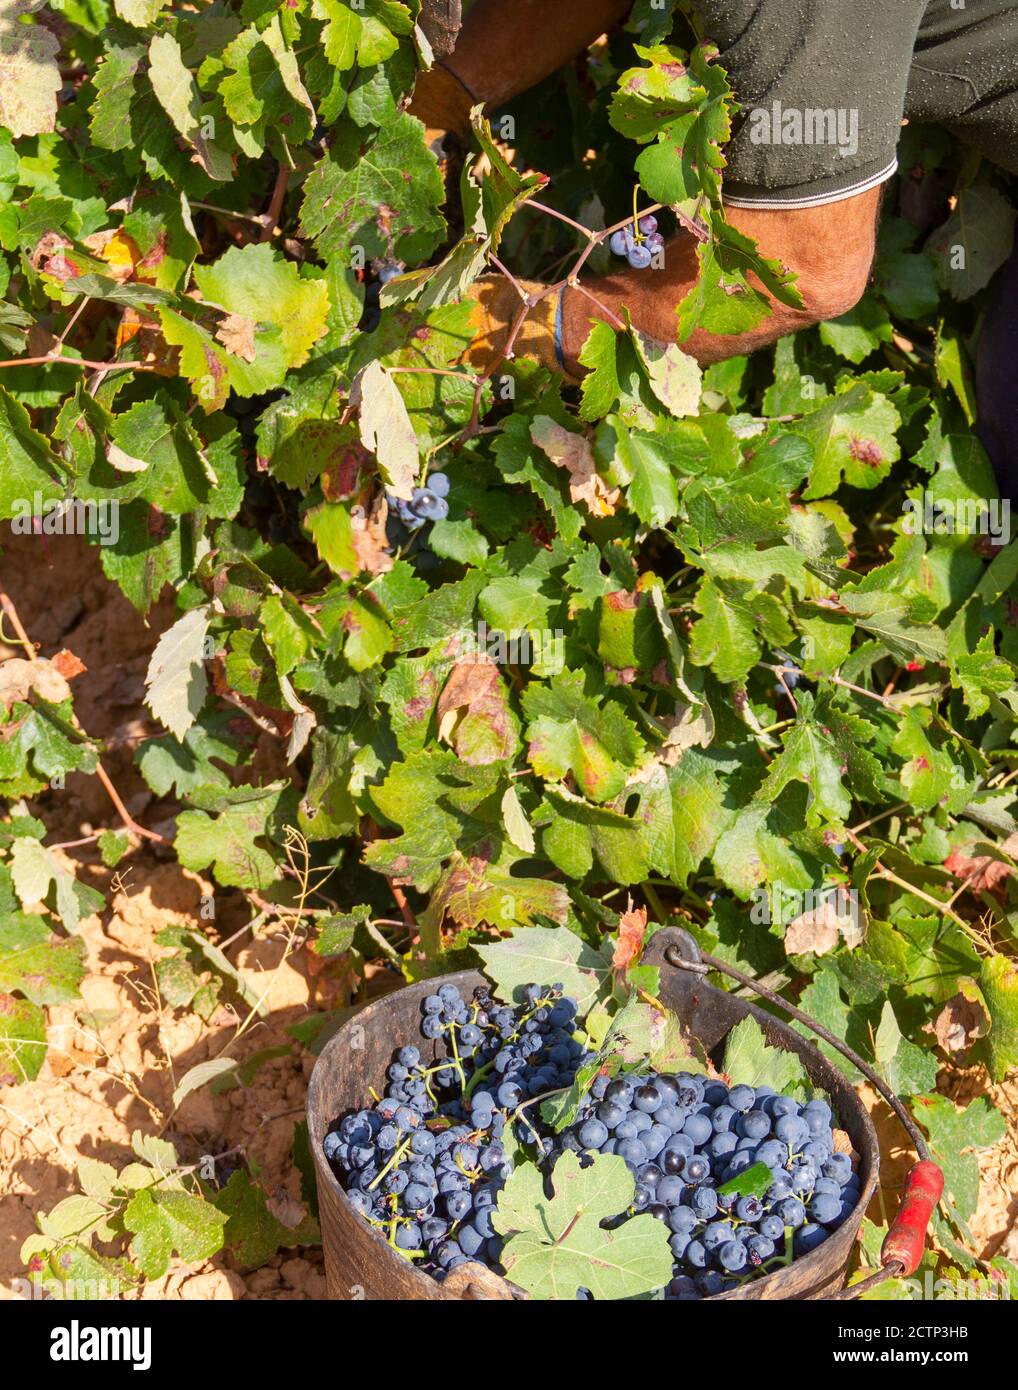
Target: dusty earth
100	1084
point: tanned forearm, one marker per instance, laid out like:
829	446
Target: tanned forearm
830	248
505	48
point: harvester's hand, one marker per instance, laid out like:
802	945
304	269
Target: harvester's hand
497	306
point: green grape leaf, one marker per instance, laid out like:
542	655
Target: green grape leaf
957	1136
974	242
998	981
44	970
29	471
22	1040
751	1061
907	1069
253	1233
232	842
683	813
853	435
175	682
568	732
29	78
545	956
556	1245
164	1222
389	196
810	755
178	95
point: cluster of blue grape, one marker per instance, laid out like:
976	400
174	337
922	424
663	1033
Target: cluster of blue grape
425	1164
640	250
685	1137
790	674
427	504
371	316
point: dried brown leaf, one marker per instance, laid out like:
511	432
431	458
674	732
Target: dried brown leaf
236	333
629	946
573	453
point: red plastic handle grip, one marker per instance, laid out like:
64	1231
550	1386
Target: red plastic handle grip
906	1240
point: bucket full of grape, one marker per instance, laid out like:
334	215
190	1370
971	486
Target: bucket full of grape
474	1141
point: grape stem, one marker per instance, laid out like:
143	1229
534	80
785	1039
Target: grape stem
397	1154
529	302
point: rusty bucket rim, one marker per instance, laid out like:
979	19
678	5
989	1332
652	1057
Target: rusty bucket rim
429	1286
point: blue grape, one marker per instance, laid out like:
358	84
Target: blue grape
593	1134
698	1128
510	1094
741	1097
681	1287
825	1209
749	1208
682	1147
808	1237
696	1255
457	1204
416	1196
428	505
682	1218
732	1256
679	1242
704	1203
434	1229
754	1124
839	1167
448	1252
633	1152
640	257
759	1248
772	1227
695	1168
655	1139
669	1189
792	1129
409	1237
470	1240
483	1222
716	1234
792	1211
648	1099
610	1114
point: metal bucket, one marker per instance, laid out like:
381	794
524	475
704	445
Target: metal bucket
359	1264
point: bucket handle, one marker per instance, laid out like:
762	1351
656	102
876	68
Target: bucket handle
905	1241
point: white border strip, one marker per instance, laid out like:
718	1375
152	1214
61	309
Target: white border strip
778	204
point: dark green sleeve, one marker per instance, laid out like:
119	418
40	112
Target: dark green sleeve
822	87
